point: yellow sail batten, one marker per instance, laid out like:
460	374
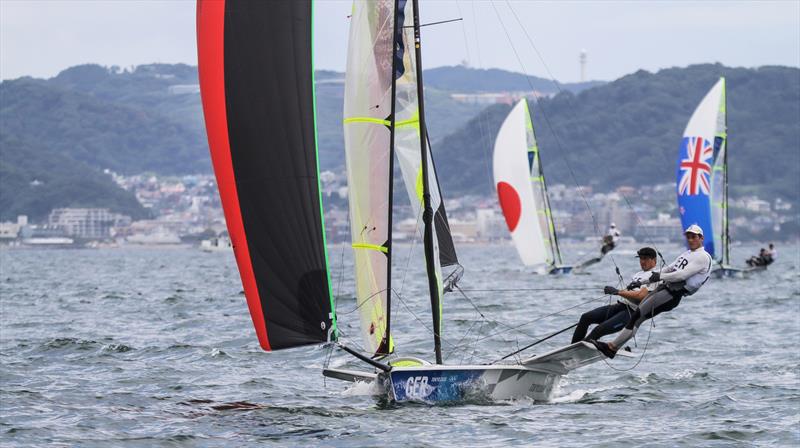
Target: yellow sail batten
383	249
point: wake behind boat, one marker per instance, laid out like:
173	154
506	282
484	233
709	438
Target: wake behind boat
537	377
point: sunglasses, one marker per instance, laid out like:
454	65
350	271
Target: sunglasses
691	236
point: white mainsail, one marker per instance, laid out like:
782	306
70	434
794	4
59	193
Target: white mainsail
367	133
521	189
407	148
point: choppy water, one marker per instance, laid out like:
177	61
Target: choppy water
154	347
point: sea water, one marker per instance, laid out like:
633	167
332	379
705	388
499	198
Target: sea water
154	347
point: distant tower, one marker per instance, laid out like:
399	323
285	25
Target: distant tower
583	65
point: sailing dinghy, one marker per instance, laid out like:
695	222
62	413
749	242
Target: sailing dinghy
522	192
257	85
702	178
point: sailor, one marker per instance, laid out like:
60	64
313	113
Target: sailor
772	254
683	277
610	239
762	259
611	318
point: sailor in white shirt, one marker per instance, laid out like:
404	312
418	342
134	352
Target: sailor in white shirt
610	239
611	318
681	278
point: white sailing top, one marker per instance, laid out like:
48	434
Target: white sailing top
642	277
692	266
613	233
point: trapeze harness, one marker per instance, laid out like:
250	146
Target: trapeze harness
683	277
611	318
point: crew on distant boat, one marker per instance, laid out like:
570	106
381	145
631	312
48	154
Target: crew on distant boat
764	258
611	318
610	239
683	277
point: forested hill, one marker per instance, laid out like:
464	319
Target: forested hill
627	132
475	80
69	128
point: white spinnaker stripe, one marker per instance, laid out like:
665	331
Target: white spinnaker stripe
511	167
703	122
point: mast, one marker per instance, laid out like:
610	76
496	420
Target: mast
551	225
387	336
427	214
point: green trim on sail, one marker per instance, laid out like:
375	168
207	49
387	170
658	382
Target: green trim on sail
335	329
551	239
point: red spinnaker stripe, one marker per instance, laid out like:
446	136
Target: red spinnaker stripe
211	67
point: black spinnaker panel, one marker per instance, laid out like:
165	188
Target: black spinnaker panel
264	151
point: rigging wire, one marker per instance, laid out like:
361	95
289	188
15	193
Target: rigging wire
555	136
572	109
528	289
517	327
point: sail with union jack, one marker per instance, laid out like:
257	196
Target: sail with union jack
697	182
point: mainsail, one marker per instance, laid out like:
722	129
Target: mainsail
703	140
257	86
382	117
719	184
522	191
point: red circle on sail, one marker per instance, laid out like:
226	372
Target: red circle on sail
510	203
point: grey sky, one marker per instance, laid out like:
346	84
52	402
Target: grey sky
41	38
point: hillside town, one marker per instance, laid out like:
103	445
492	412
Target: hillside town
187	210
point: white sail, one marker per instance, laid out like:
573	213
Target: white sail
367	111
526	213
407	147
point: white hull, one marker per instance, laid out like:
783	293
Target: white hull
534	378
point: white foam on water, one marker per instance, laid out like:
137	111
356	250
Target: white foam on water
363	388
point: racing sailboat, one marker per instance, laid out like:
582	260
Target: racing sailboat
257	86
702	177
522	192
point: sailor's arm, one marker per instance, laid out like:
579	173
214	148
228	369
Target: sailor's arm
635	296
696	265
669	268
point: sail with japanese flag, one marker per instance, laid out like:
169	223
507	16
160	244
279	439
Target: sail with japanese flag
700	173
522	191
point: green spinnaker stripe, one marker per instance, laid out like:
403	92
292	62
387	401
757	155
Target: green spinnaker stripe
383	249
319	186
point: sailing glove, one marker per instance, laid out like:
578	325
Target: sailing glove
610	290
633	285
654	277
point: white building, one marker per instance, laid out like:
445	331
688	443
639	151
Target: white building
86	222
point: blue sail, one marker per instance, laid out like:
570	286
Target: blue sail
695	186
